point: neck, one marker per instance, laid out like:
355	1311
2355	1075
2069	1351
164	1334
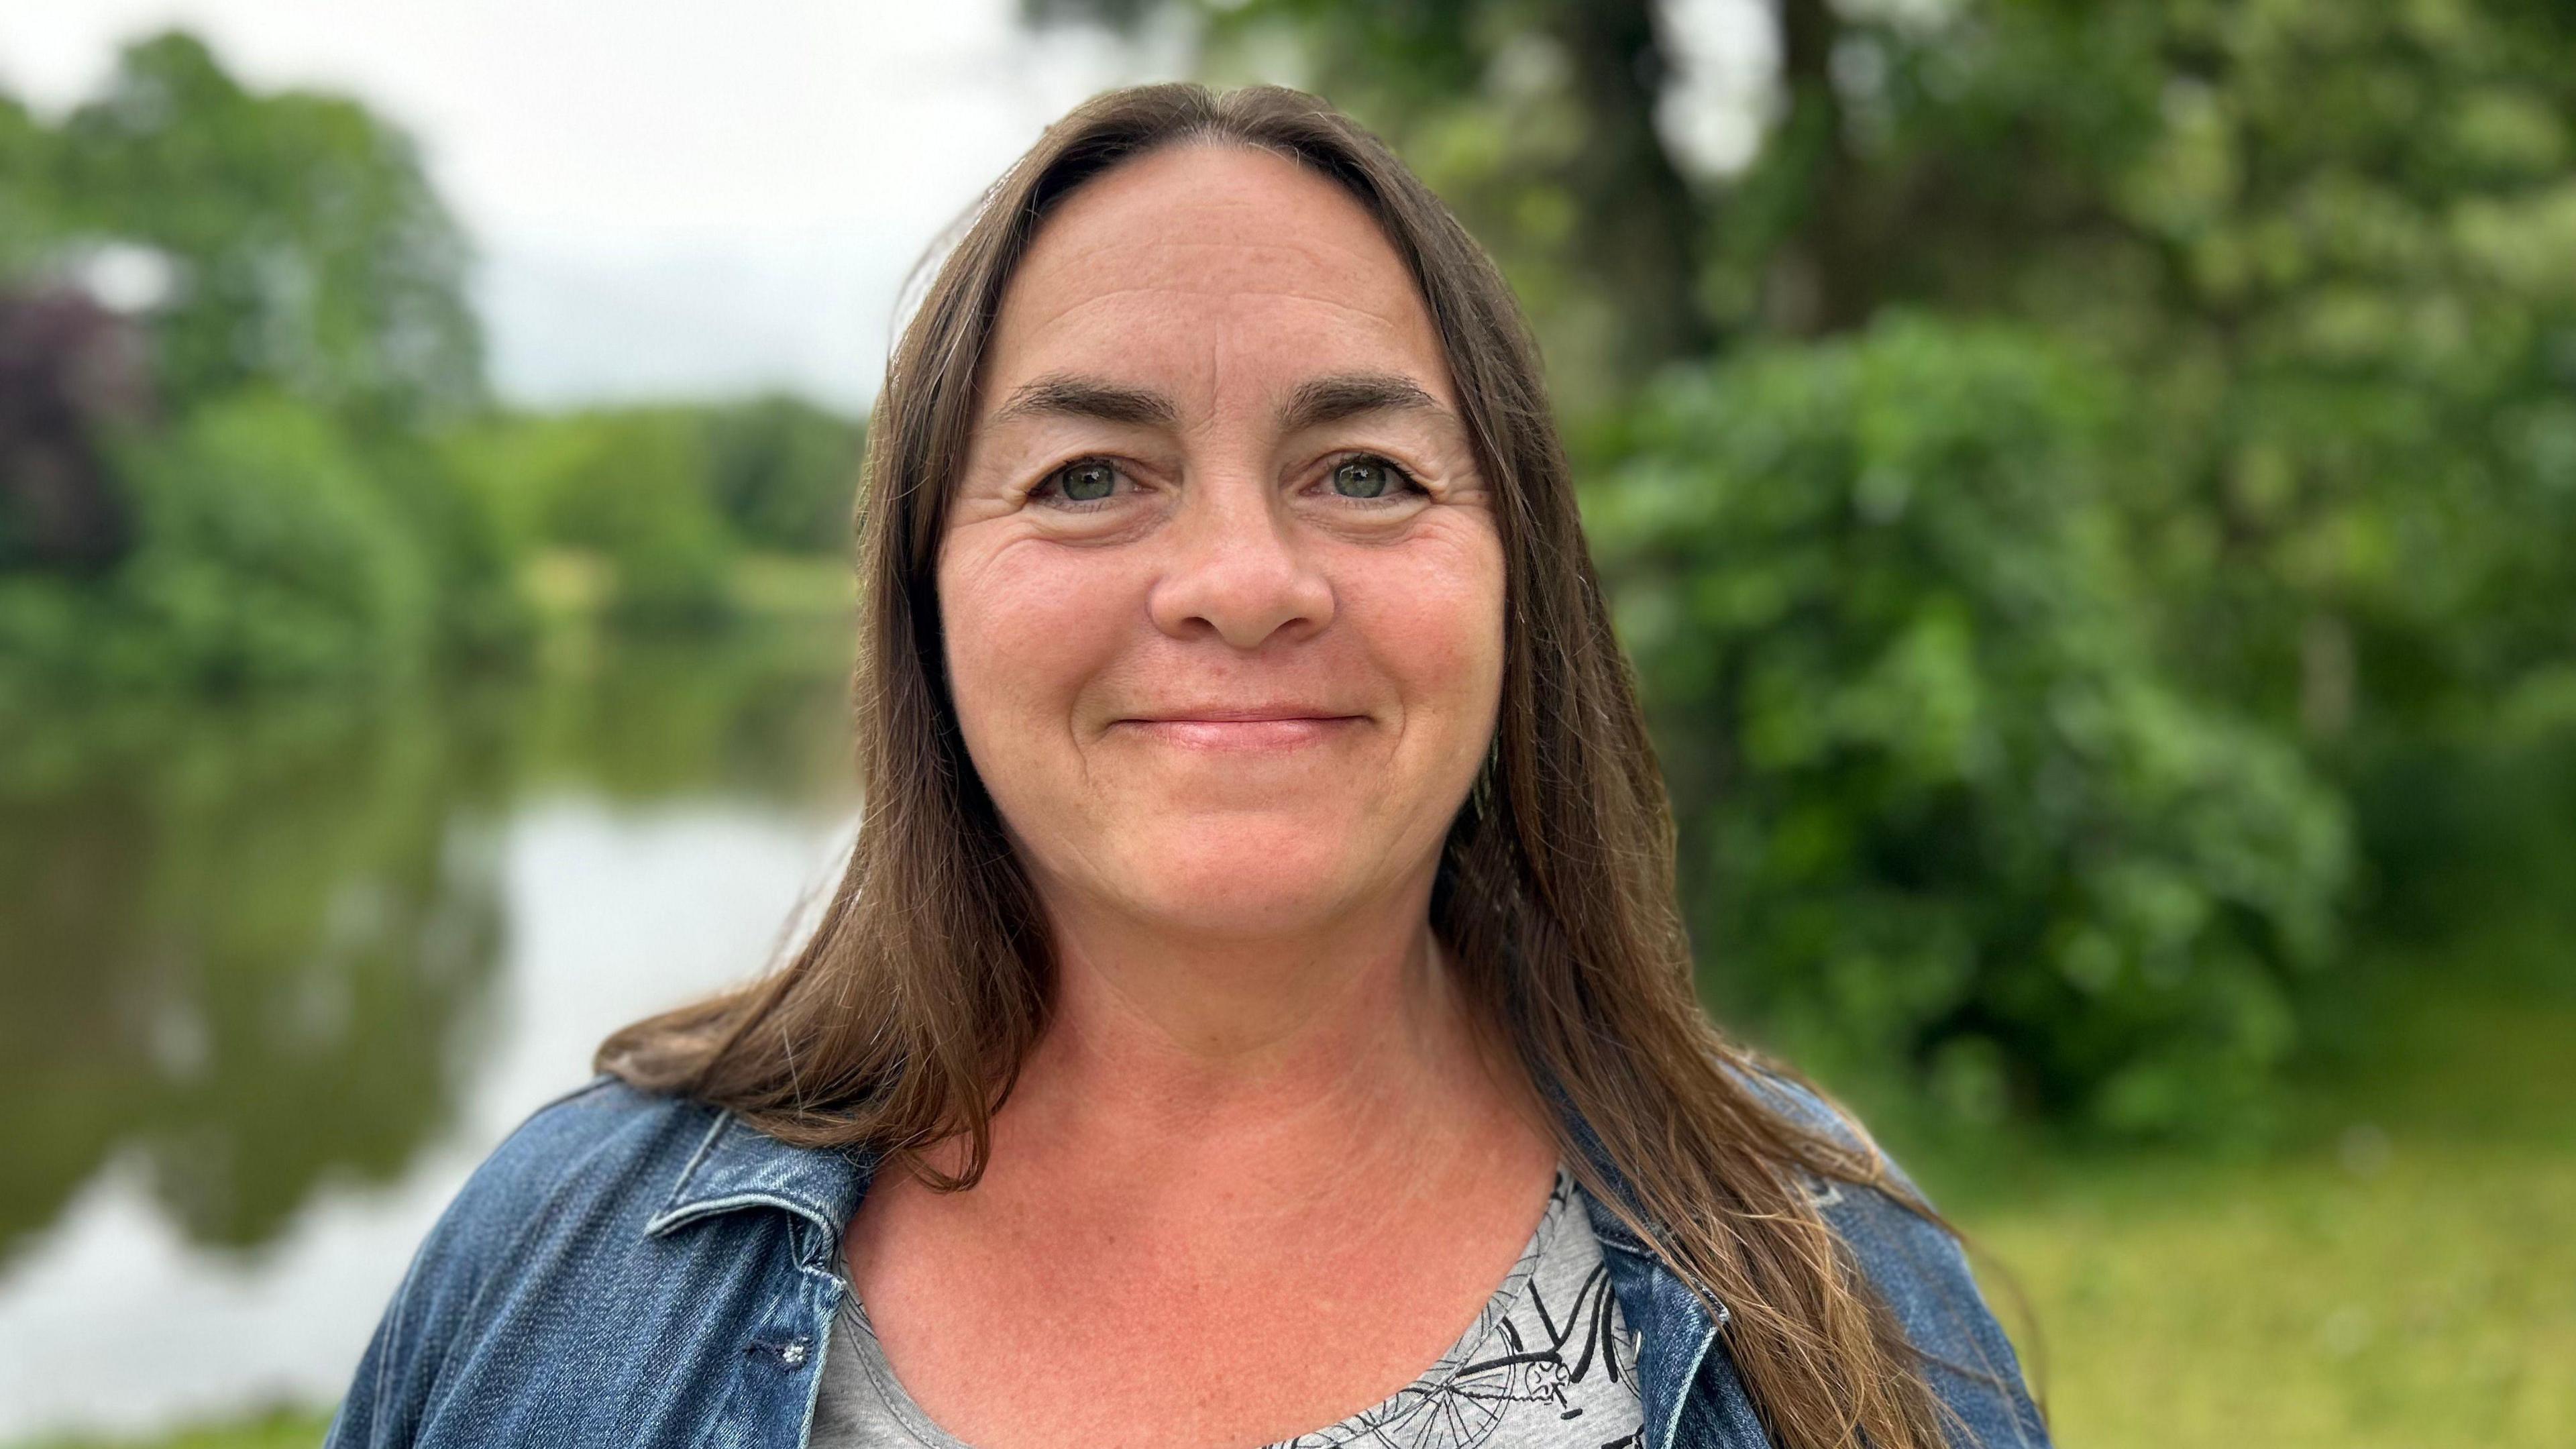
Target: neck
1259	1060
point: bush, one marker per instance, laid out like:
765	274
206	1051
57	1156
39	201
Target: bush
480	610
637	494
785	473
627	485
266	554
1940	811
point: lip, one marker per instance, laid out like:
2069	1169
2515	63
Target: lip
1242	727
1238	713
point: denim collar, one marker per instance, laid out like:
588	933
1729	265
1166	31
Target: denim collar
737	1166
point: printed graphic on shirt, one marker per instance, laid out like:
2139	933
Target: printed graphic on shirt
1549	1345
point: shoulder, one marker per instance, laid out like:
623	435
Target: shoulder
1904	1251
593	1137
1916	1264
1794	1099
535	1232
597	1156
596	1160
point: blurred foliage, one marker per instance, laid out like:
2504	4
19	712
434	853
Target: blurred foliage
26	186
244	437
629	487
269	554
1938	805
296	235
68	369
669	496
260	504
2328	245
2086	492
785	474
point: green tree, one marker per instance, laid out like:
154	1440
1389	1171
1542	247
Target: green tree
26	202
633	486
310	253
290	517
270	555
1939	806
2329	242
784	473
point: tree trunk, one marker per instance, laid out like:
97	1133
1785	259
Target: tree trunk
1640	224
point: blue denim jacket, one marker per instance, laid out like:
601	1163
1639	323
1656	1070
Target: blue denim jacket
632	1270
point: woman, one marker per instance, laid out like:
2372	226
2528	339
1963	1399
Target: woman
1255	1008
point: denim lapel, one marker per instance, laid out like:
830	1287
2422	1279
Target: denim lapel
1686	1382
737	1166
1674	1329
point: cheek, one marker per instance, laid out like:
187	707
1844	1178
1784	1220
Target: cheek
1022	635
1435	626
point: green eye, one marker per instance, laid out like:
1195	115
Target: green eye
1087	482
1362	478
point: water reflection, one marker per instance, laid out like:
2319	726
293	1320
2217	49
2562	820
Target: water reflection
276	977
242	945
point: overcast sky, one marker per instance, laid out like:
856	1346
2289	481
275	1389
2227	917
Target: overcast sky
682	199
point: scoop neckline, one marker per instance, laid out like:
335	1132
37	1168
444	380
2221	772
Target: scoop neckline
1351	1428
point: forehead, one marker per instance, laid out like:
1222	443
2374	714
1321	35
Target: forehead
1209	270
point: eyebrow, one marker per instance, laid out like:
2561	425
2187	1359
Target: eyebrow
1311	403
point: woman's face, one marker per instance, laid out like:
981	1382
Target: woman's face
1221	585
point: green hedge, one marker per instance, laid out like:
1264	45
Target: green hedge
1940	809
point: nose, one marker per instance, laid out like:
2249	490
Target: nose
1236	571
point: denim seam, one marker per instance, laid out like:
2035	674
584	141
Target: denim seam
1724	1313
707	1207
1690	1386
673	1208
822	1357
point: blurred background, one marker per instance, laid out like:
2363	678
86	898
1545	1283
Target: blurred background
2089	488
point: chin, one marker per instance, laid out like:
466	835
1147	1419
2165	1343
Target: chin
1243	880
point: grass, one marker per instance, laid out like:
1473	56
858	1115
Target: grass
2403	1292
575	587
276	1429
2404	1275
790	586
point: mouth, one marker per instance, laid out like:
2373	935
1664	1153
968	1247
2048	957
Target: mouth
1260	727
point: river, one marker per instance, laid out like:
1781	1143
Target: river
276	977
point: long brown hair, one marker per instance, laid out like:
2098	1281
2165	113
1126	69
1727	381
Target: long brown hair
903	1018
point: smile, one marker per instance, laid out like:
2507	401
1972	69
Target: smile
1264	732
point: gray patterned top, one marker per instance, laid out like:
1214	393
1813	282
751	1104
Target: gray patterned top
1548	1364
